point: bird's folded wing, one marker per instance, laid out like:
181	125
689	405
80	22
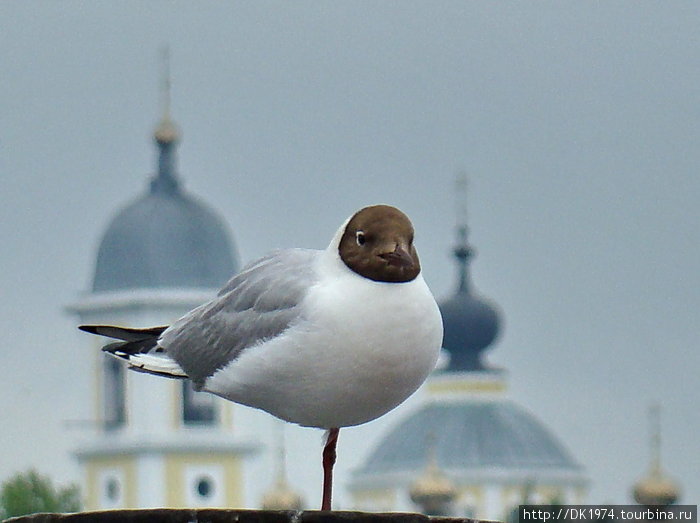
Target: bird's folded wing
259	303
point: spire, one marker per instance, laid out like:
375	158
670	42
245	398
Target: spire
462	250
281	496
166	134
432	491
655	424
470	322
165	82
655	488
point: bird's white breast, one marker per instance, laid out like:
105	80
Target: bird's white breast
360	348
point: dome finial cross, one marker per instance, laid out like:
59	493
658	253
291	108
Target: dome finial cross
462	250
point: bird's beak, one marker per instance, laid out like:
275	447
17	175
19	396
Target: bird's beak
398	257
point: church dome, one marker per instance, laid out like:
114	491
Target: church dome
470	323
432	490
471	435
282	497
656	488
164	238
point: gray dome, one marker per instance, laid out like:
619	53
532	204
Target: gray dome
470	435
165	238
470	325
470	322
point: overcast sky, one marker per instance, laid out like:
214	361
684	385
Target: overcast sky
577	123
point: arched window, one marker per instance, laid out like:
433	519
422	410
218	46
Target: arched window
198	408
114	400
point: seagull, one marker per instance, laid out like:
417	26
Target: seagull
321	338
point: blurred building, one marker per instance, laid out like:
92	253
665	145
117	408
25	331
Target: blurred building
157	441
469	450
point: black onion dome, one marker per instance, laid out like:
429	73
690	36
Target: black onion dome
165	238
470	322
470	326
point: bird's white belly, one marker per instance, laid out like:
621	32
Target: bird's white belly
361	349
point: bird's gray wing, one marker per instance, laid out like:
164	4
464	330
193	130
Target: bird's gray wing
257	304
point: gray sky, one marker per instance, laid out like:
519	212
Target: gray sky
576	121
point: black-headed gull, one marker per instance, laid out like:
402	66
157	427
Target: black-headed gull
322	338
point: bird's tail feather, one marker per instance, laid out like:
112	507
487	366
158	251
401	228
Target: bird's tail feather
124	333
139	348
158	364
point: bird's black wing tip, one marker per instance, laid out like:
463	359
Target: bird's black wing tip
112	348
92	329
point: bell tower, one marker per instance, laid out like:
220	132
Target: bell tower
156	442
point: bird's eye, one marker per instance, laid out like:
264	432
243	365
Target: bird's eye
360	238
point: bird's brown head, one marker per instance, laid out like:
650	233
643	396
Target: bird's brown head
378	244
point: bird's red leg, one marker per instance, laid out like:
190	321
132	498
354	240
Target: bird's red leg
328	462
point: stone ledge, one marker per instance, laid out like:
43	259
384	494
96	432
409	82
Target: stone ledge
231	516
